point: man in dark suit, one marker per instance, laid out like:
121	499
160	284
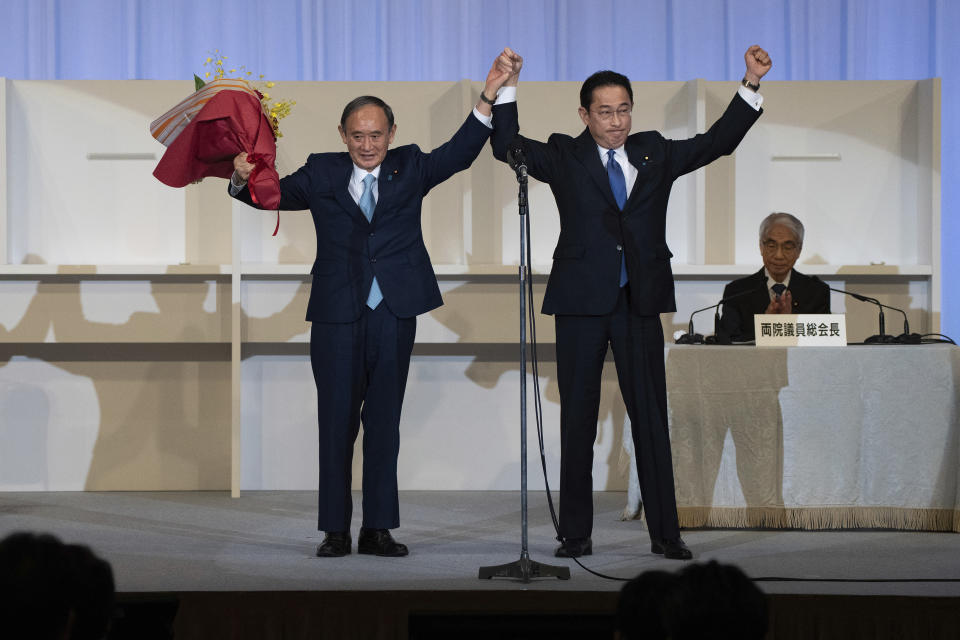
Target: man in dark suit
778	287
371	279
611	278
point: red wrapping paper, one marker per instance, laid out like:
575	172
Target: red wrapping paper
229	123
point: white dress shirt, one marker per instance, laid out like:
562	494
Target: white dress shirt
356	183
620	155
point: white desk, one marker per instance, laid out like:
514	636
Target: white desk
817	437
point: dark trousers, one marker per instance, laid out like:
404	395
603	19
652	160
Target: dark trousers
637	343
360	369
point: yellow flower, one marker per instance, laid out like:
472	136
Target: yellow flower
276	110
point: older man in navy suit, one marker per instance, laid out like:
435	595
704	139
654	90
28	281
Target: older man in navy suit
371	279
611	278
777	287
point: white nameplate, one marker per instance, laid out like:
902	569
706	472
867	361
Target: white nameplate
800	330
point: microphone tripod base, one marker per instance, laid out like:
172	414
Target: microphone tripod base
524	570
882	338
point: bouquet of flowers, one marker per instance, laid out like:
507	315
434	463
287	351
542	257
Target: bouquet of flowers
207	129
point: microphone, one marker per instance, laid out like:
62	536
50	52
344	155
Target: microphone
516	158
882	338
695	338
906	337
690	337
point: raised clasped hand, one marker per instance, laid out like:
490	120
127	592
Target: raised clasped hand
515	62
505	68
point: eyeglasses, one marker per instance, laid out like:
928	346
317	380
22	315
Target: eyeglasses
771	246
607	114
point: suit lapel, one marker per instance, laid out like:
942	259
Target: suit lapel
590	158
761	297
634	155
798	288
341	173
385	183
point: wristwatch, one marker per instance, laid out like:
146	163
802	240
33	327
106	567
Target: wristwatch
487	100
744	82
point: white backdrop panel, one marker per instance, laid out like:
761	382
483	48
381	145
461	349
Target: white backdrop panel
68	207
459	430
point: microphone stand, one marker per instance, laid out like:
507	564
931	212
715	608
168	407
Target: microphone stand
695	338
523	569
717	337
883	337
906	337
690	337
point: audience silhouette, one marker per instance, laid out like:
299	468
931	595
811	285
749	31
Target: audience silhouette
51	590
703	600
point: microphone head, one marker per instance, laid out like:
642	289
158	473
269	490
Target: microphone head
515	155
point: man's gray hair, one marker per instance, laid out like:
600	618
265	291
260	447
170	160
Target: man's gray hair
789	221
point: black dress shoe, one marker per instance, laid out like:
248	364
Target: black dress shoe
379	542
574	548
335	544
673	549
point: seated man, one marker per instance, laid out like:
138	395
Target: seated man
778	287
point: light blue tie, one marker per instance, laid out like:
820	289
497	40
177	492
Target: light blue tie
619	186
367	204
